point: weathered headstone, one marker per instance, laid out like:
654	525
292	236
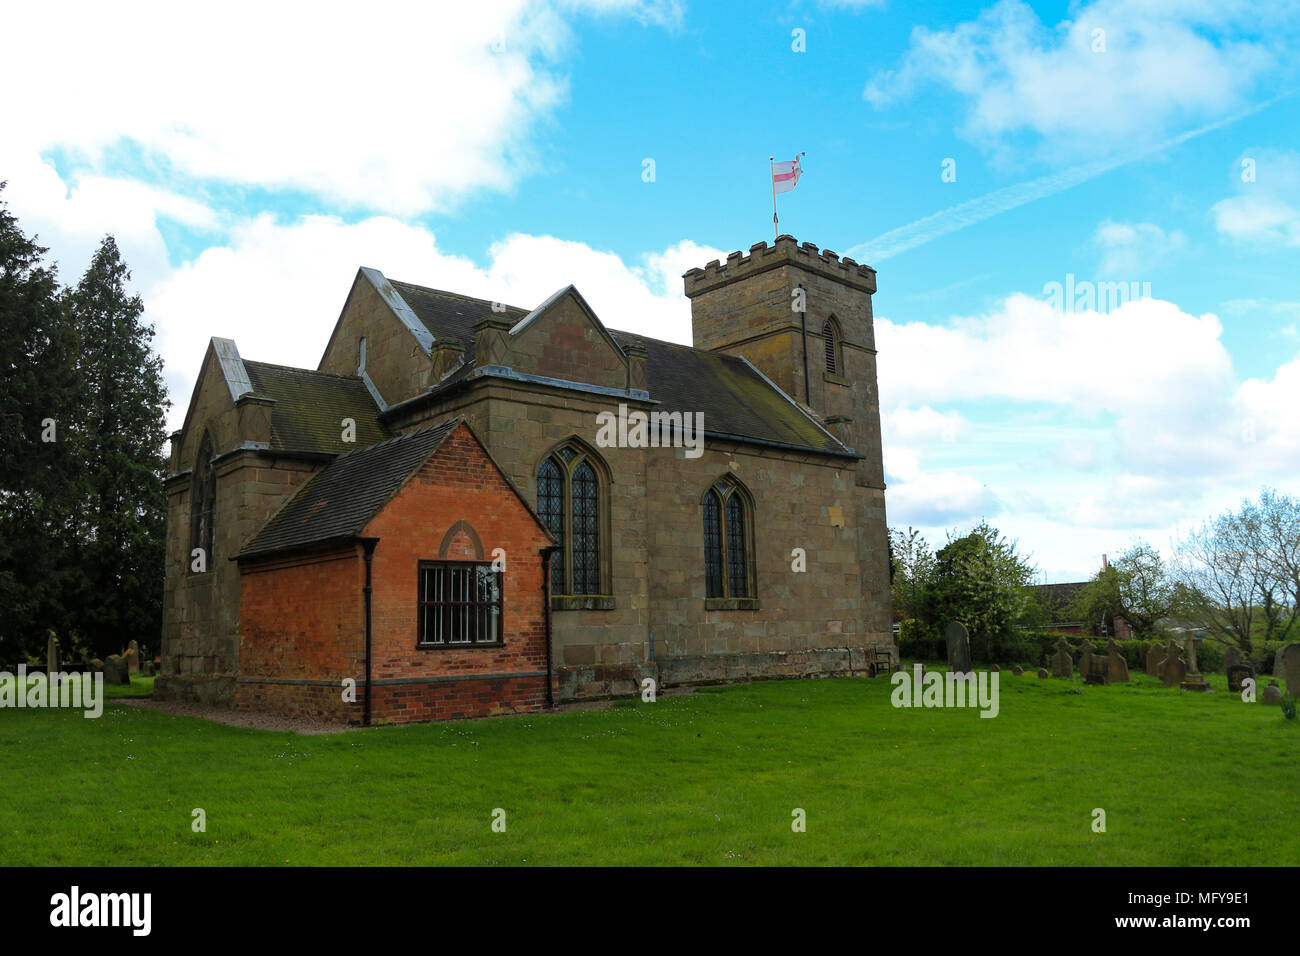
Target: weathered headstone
1231	657
1086	650
1042	673
132	657
1017	670
1192	680
1154	655
1279	660
1172	669
115	671
1098	671
96	665
1293	669
1062	661
1272	694
52	663
1238	673
1118	666
958	648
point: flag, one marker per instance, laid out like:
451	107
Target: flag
785	175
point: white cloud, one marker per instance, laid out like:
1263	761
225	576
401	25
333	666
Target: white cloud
363	106
277	289
1130	249
1265	210
1163	64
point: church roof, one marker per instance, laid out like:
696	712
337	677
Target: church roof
338	503
737	400
310	407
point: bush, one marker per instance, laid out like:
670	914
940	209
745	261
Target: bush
917	643
1288	707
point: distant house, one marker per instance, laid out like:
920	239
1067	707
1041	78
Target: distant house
1059	599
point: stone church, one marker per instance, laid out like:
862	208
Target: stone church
439	521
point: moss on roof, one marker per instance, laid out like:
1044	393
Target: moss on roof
310	408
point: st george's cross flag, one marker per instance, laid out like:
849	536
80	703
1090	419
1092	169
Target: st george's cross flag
785	175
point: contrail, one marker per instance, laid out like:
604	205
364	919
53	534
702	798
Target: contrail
1007	198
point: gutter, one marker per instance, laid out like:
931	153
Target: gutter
546	597
369	545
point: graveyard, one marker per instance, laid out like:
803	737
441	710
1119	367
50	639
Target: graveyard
714	777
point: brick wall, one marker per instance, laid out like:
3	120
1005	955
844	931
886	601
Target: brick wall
303	616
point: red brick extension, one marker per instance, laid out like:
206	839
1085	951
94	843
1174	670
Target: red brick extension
303	616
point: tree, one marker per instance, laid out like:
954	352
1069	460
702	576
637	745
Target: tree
1242	568
980	580
1136	587
39	477
913	567
122	434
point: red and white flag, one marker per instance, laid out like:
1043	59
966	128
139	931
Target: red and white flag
786	175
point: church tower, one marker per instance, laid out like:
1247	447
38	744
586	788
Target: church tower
803	317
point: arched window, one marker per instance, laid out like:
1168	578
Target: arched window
831	336
570	495
203	500
728	541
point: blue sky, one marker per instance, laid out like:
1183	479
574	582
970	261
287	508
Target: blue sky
499	151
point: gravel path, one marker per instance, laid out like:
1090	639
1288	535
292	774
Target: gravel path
241	718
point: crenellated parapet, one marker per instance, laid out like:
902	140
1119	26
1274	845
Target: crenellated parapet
785	250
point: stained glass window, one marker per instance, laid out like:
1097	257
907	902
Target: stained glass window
550	506
586	534
737	577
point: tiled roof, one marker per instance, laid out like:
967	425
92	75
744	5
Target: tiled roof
342	499
310	407
734	397
448	315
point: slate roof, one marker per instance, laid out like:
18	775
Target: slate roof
734	397
341	500
310	407
448	315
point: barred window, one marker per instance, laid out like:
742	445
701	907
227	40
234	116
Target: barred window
459	604
570	494
728	550
203	500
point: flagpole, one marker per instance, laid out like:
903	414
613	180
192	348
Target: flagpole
776	228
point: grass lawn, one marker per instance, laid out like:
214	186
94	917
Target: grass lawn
709	778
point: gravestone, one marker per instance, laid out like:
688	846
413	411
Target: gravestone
958	648
115	671
146	669
1293	670
1279	660
994	668
1062	661
1238	673
1231	657
1086	650
132	657
1042	673
1098	671
1017	670
1172	669
1192	680
1118	666
1272	694
1155	654
95	665
52	663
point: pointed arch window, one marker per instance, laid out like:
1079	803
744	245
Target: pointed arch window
728	543
831	337
203	500
571	501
